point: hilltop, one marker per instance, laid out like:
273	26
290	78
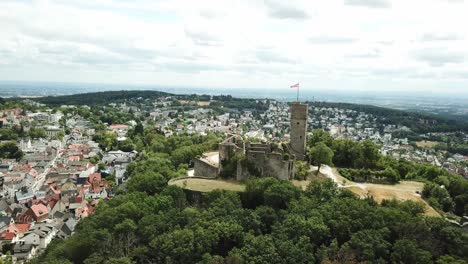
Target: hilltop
100	98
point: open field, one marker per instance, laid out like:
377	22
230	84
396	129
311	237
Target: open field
198	103
208	185
426	144
405	190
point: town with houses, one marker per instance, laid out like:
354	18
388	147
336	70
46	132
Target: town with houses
61	176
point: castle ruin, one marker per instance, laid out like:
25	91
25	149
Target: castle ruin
242	160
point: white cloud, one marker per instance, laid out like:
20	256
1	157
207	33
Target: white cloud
339	44
369	3
439	57
285	10
331	40
440	37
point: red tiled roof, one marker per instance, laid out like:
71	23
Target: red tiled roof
82	212
117	126
39	210
22	228
12	229
38	201
24	218
75	146
90	209
52	203
7	235
94	177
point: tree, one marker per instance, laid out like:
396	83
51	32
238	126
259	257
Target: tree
175	246
368	155
126	145
321	154
391	175
449	260
37	132
370	245
60	135
346	151
319	136
124	260
9	150
407	251
323	190
150	182
139	129
258	249
302	170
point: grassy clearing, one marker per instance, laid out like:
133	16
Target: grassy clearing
426	144
198	103
403	191
208	185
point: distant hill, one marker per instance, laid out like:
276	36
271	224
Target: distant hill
104	98
416	121
100	98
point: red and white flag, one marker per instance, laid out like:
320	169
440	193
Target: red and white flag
295	85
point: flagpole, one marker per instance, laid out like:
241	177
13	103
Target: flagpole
297	94
297	91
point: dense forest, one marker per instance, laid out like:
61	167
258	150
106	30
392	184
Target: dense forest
417	122
271	222
100	98
240	103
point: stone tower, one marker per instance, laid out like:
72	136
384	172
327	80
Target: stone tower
299	113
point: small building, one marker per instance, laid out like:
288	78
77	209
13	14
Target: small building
39	212
24	251
40	235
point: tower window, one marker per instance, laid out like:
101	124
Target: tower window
298	123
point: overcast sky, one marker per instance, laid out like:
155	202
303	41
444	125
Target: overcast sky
400	45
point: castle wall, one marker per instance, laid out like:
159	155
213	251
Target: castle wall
228	148
242	172
257	159
278	168
204	169
260	159
262	146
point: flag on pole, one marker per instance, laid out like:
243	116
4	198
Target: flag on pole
297	87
